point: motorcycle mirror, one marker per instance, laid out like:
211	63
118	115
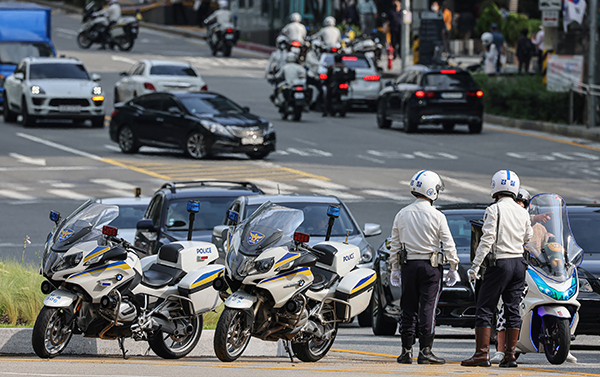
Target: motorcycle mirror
246	109
96	77
122	74
55	216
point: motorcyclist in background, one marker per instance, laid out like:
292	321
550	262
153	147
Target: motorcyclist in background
218	18
277	58
312	63
287	76
111	14
329	34
295	31
334	73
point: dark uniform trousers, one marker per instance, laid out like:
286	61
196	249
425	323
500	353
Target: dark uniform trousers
421	287
506	279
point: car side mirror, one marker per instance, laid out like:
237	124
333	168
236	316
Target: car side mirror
218	231
19	76
371	230
175	110
146	224
246	109
96	77
123	74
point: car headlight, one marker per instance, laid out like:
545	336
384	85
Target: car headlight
215	128
585	286
97	90
366	255
35	89
68	262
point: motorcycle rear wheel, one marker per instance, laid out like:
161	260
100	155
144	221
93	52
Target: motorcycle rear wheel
51	334
314	349
125	43
169	346
297	114
557	339
83	40
227	47
232	335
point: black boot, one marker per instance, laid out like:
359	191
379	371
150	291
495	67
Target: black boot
425	354
407	342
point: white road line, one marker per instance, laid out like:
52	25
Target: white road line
391	154
307	142
425	155
388	195
15	195
68	194
319	152
465	185
276	186
114	184
119	193
447	155
59	146
281	153
322	184
66	31
59	184
563	156
590	172
587	155
453	199
339	194
28	160
59	168
123	59
372	159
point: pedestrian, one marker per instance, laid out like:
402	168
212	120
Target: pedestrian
421	241
490	53
447	32
538	41
499	43
466	23
506	229
367	11
525	50
349	14
178	10
395	27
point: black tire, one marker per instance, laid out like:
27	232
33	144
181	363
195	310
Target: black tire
83	41
50	334
314	349
127	140
98	122
382	121
195	146
178	347
116	98
28	120
258	155
557	339
475	127
125	43
410	124
9	116
381	324
297	114
365	318
232	335
448	126
227	47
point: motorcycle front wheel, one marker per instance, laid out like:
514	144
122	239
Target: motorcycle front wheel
125	43
169	346
557	339
51	333
232	335
315	348
83	40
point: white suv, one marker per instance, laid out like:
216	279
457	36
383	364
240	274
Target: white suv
53	88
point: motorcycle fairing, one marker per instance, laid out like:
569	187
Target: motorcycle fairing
60	298
240	300
555	311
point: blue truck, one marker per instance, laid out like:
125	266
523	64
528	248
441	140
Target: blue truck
24	31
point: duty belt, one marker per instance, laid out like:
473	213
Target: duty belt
418	256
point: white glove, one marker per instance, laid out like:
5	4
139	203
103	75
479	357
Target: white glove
472	273
452	278
395	278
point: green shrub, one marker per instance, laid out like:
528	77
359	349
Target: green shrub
534	25
20	295
511	29
490	15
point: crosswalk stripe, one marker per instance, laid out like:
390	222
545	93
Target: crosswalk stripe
465	185
118	193
114	184
15	195
340	194
322	184
388	195
68	194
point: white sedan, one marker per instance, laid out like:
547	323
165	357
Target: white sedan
53	88
148	76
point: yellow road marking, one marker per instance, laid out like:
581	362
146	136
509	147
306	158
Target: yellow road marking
134	168
549	138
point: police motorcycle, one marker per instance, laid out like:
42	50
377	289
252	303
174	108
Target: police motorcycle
222	38
549	309
339	91
96	285
295	101
123	33
370	47
284	289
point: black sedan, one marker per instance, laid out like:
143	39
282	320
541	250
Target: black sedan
431	95
201	124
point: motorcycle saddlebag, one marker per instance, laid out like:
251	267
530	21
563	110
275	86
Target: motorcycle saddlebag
198	287
355	289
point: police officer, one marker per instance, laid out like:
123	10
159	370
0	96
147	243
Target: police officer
329	34
295	31
506	228
111	14
288	75
418	231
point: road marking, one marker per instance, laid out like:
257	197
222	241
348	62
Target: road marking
462	184
118	193
66	31
340	194
114	184
59	146
68	194
530	156
307	142
28	160
57	184
15	195
372	159
309	152
123	59
425	155
321	184
391	154
113	148
274	187
388	195
57	168
543	137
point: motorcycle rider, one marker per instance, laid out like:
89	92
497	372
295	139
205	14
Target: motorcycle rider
417	233
277	58
331	35
333	72
111	14
219	17
287	76
506	228
312	64
295	31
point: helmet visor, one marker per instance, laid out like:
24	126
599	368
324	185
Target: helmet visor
440	186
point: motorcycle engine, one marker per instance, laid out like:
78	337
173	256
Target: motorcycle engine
294	313
127	311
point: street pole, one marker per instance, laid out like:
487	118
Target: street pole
593	17
405	41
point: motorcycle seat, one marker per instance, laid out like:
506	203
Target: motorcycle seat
158	276
323	279
326	253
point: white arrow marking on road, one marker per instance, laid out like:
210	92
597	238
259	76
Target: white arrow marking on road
322	184
28	160
123	59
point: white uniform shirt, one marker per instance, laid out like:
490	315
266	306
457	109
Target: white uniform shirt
112	13
330	35
491	57
312	62
422	228
276	61
514	230
291	72
294	31
221	16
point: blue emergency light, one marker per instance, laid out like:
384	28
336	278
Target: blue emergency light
233	216
54	216
193	206
333	211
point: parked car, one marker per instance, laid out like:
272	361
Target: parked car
53	88
131	211
201	124
364	90
166	218
147	76
431	95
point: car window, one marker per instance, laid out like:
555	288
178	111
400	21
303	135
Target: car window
153	102
172	70
22	68
167	103
460	227
210	215
132	70
412	77
140	70
14	52
210	105
350	61
402	78
129	215
459	80
154	210
584	227
316	219
58	71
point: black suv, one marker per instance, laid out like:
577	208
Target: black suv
166	218
431	95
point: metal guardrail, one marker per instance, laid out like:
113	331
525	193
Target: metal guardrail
590	92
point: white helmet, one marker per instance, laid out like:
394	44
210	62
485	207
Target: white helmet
505	182
223	4
291	57
524	197
487	38
295	17
281	42
426	183
329	21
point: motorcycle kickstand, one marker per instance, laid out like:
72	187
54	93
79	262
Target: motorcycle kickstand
286	345
121	342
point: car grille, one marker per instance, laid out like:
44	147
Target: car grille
246	131
69	102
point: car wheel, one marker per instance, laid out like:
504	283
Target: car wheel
381	325
448	127
475	127
195	146
98	122
382	121
28	120
410	124
9	116
258	155
127	140
116	98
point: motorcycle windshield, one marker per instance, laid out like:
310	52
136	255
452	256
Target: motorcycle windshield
269	226
552	249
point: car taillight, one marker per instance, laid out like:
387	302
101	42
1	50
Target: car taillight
371	78
149	86
344	86
299	88
334	49
113	113
349	58
296	44
423	94
323	76
229	30
204	88
447	71
478	93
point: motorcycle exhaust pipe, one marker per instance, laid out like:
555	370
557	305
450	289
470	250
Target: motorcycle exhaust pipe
159	324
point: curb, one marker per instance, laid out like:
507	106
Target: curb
17	341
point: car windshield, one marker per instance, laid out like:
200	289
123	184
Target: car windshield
210	105
350	61
460	227
58	71
459	80
172	70
584	226
316	219
129	215
14	52
210	215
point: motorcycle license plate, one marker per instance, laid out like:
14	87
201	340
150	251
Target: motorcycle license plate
69	109
295	50
228	36
299	95
252	141
452	95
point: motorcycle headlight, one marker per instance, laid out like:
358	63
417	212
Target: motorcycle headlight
67	262
97	90
36	89
551	291
216	128
239	264
262	266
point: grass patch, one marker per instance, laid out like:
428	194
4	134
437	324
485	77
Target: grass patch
20	296
211	318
